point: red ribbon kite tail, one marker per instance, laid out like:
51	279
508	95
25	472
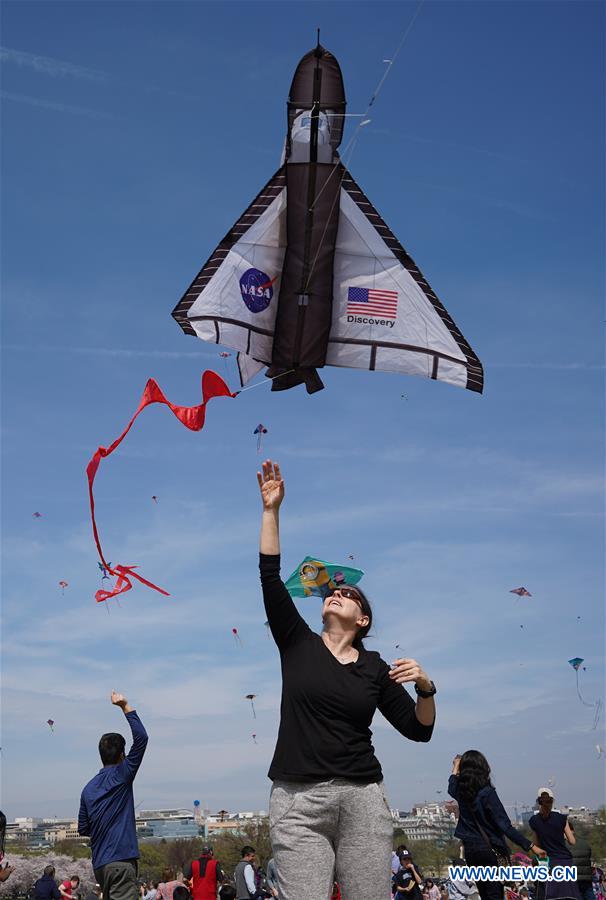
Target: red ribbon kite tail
190	416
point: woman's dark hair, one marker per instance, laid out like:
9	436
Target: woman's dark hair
474	774
111	748
366	611
180	893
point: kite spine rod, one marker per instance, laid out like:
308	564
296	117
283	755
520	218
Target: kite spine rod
350	147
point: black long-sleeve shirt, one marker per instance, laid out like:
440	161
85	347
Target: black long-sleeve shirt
327	707
488	810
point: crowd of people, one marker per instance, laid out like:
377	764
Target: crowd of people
329	815
205	879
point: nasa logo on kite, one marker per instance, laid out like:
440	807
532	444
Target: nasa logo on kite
257	290
348	293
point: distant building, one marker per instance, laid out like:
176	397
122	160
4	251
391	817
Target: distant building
429	822
167	824
33	833
581	814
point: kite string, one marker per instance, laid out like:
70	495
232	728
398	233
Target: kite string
262	383
373	97
597	705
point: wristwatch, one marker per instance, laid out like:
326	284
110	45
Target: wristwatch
425	694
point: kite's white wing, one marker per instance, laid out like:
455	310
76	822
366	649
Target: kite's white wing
385	315
234	298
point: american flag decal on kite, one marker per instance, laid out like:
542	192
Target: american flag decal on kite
368	301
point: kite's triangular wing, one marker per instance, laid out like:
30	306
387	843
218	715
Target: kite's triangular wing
233	299
385	315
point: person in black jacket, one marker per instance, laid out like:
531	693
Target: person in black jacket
328	809
483	823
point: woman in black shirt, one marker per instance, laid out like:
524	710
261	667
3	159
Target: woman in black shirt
328	809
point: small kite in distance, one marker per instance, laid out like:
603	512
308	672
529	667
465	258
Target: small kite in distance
224	354
252	698
37	515
237	637
254	737
521	592
154	498
51	724
63	585
260	430
103	570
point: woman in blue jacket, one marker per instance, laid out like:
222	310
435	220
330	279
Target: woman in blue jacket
483	823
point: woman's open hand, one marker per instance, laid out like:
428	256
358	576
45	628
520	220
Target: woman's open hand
271	485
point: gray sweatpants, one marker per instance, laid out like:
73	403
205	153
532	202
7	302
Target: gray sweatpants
331	829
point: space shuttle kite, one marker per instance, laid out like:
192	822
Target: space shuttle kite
311	275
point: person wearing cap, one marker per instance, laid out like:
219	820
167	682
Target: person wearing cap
483	824
327	795
204	875
396	865
552	830
408	881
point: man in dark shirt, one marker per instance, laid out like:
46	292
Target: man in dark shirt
46	887
107	809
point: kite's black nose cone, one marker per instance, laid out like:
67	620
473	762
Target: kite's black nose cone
318	81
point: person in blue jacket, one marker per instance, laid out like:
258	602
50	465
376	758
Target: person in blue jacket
483	823
46	887
107	809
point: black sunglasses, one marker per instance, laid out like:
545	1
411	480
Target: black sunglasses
348	593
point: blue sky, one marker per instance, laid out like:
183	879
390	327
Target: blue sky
134	135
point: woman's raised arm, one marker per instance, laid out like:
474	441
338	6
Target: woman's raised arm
286	624
271	486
